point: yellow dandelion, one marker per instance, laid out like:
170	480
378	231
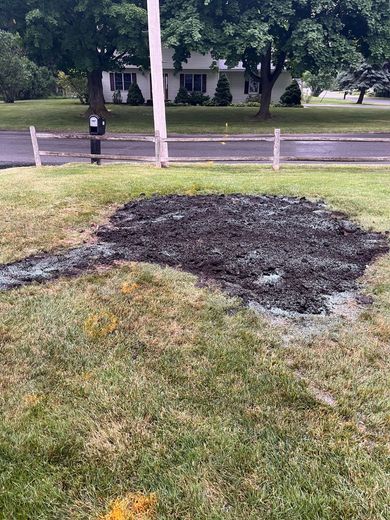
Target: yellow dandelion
134	506
129	288
101	324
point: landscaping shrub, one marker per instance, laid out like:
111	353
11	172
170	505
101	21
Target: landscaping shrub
197	98
117	97
134	96
293	96
183	97
223	97
253	98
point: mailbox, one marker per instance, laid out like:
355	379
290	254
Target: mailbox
97	125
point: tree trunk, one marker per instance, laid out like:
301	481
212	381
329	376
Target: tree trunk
95	91
9	97
268	80
361	96
264	112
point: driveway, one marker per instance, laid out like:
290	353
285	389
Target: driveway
15	149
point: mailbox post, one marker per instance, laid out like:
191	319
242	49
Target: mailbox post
97	126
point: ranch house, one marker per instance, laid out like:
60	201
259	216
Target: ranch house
200	74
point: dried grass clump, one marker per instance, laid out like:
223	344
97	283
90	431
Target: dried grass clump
101	324
129	288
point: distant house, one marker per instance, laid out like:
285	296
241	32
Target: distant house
200	74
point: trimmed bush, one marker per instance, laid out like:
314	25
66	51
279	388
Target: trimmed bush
197	98
223	97
293	96
134	96
183	97
117	97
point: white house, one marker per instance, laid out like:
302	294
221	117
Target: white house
200	74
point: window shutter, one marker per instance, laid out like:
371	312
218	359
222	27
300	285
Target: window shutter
246	88
204	83
134	77
181	80
112	82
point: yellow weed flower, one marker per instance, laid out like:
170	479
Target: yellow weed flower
134	506
101	324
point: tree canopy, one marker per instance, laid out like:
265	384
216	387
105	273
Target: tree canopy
89	36
269	35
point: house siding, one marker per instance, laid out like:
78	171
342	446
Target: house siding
197	64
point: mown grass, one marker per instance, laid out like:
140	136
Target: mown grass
57	114
368	101
135	380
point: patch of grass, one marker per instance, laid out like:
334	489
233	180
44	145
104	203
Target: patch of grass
368	101
57	114
184	400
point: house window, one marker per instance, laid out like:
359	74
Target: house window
122	80
252	86
194	82
118	76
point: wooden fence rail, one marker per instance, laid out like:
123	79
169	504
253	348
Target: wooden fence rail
276	159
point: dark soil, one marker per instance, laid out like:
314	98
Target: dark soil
282	253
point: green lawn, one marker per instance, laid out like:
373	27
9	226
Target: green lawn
330	100
185	399
368	101
57	114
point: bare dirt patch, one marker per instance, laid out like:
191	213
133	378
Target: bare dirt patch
281	253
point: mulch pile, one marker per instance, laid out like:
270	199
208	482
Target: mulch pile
283	253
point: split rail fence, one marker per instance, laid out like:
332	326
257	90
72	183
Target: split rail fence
276	159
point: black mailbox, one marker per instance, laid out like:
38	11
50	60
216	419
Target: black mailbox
97	125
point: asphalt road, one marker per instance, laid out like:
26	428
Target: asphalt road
15	149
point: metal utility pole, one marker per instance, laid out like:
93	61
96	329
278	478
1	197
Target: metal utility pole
156	67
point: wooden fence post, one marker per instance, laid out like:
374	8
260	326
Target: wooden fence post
35	145
157	142
164	153
276	160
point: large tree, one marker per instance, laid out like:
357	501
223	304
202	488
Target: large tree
89	36
363	77
270	35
